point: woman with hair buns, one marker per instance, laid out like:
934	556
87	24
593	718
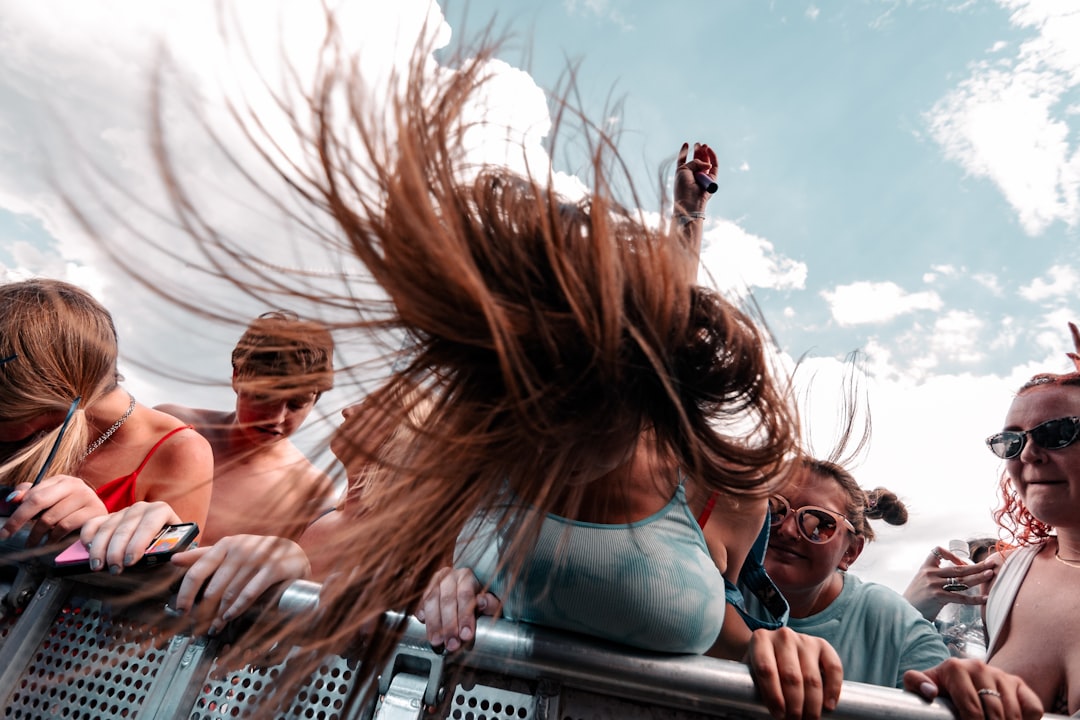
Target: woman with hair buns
820	525
74	445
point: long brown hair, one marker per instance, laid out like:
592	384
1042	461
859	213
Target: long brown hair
537	330
62	345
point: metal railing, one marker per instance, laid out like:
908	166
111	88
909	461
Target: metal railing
75	648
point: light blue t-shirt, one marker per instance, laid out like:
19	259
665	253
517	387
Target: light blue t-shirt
876	632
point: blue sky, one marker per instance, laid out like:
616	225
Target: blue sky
901	178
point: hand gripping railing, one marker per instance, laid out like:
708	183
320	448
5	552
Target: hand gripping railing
74	652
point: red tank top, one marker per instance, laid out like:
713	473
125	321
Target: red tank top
120	493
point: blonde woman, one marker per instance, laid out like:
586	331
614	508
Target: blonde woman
74	444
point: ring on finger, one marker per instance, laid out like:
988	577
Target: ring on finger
988	691
954	585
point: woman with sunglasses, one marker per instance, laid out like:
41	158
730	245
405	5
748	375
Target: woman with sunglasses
1031	624
820	524
73	443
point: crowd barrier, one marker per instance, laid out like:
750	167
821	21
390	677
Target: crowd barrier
76	648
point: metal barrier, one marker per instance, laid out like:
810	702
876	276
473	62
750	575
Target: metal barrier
74	648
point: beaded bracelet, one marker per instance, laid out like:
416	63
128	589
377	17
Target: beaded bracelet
687	218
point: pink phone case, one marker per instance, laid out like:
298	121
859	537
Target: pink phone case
77	553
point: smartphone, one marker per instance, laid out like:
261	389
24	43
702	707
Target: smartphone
171	540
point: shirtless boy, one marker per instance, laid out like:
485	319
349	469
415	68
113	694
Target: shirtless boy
263	484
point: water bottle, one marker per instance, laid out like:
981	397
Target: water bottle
961	626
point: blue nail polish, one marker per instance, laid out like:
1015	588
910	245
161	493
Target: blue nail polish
11	495
129	559
95	564
707	183
115	569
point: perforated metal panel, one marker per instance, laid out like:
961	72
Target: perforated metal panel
482	702
6	623
91	664
244	693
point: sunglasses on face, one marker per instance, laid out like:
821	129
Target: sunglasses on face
1050	435
816	525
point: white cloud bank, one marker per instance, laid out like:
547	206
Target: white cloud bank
866	302
734	259
1006	121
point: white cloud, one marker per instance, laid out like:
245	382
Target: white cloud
937	271
956	337
876	302
1004	122
1062	282
812	12
736	259
989	281
602	9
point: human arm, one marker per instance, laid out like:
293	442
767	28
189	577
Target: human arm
926	591
180	473
233	573
453	600
690	200
1075	356
976	690
321	540
56	507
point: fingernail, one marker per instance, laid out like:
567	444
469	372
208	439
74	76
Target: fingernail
466	634
436	640
481	603
830	704
129	560
228	615
11	496
115	569
95	564
214	629
420	615
928	690
452	644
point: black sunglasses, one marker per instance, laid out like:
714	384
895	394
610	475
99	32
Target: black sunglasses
1050	435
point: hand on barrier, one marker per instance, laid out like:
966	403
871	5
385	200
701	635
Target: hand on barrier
976	690
119	540
928	592
453	600
226	578
797	675
56	507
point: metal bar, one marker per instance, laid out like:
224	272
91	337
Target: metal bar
26	634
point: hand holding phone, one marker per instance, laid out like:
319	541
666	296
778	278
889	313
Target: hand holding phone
171	540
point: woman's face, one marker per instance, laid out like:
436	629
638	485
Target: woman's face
793	562
1047	481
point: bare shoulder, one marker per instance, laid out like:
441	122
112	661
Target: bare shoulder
315	482
185	450
198	417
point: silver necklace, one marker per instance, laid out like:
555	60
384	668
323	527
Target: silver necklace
113	428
